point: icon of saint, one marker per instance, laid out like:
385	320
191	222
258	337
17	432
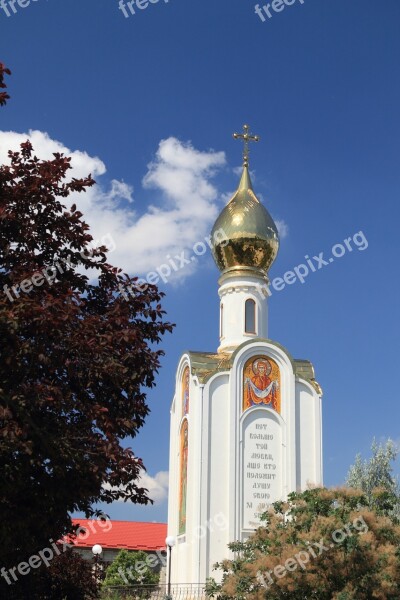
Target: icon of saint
260	388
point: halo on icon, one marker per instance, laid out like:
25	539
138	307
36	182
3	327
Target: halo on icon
263	361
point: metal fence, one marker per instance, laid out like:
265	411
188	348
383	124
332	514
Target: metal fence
182	591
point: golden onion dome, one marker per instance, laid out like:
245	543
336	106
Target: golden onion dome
244	235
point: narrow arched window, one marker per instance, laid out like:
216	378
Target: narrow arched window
250	316
221	321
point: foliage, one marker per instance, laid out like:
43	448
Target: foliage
75	359
69	577
3	95
377	472
131	568
109	594
322	544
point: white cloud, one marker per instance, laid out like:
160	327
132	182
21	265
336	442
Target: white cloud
183	212
157	485
283	228
122	190
185	206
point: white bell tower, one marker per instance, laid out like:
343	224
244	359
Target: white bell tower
245	420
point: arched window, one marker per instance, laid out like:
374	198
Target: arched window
221	321
250	316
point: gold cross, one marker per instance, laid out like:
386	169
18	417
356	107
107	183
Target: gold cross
247	137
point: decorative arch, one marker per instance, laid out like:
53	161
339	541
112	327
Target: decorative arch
183	476
261	383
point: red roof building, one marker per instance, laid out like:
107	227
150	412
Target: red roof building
127	535
114	536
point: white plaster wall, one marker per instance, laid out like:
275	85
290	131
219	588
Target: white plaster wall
308	442
215	523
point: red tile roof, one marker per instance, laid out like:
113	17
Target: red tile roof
129	535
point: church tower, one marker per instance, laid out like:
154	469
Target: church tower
245	420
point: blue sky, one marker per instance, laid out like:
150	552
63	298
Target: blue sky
148	104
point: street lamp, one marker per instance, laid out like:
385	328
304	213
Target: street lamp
170	541
96	550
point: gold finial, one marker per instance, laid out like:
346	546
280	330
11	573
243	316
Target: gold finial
247	137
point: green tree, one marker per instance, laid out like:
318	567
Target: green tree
133	569
321	544
76	358
377	472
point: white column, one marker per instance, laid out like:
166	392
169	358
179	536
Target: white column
236	288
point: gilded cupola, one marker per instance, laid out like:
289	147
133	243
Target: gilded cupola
245	235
